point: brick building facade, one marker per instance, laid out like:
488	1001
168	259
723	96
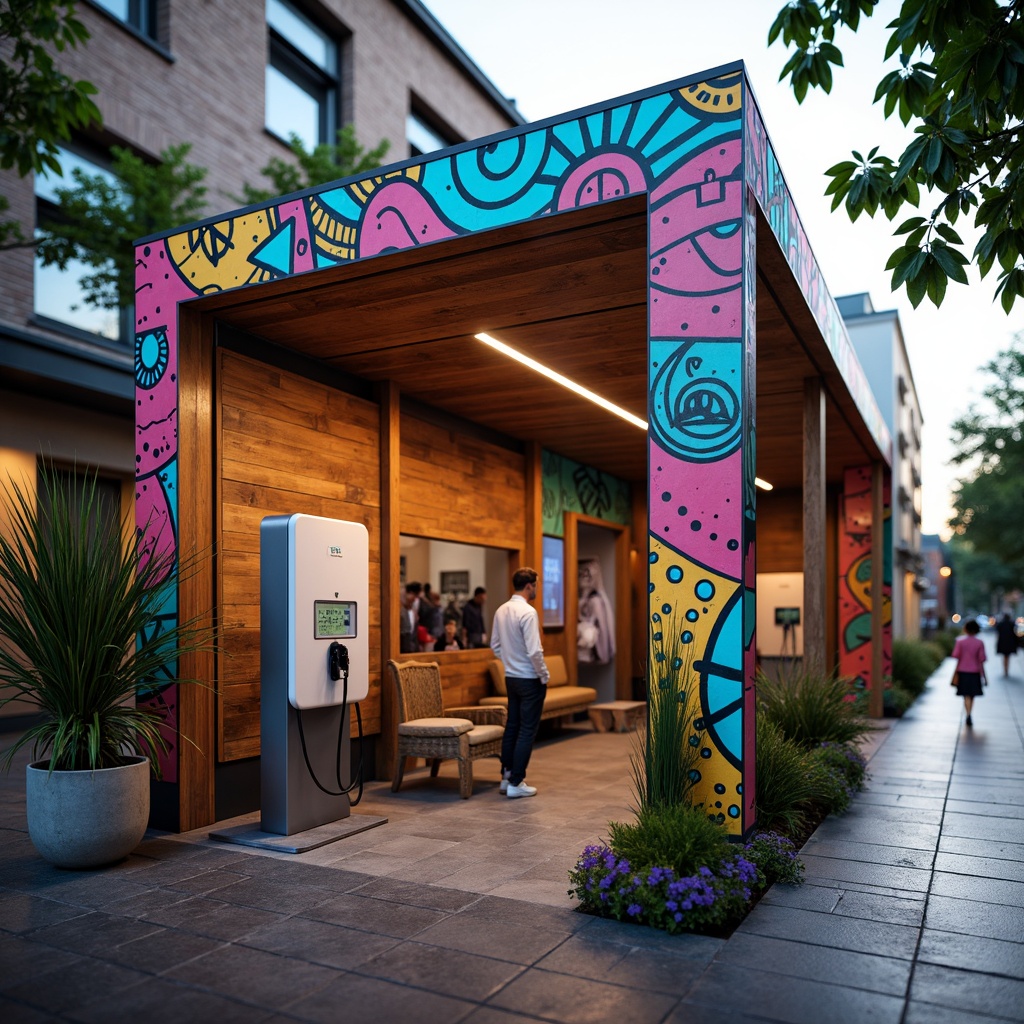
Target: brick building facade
164	78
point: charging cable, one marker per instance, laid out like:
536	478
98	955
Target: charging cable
338	665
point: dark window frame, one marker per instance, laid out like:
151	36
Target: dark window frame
322	85
48	211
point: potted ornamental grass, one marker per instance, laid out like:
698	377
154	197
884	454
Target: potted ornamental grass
79	587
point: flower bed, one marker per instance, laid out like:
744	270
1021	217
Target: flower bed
608	886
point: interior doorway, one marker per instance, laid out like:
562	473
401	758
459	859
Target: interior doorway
598	613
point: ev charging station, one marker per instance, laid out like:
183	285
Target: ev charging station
314	665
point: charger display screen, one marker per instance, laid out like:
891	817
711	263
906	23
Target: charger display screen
334	620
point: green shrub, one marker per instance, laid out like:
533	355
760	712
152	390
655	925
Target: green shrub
786	785
913	661
944	641
834	794
680	837
896	700
775	858
846	759
810	708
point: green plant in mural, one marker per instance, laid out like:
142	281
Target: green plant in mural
665	756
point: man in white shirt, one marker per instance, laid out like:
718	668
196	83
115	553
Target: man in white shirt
515	639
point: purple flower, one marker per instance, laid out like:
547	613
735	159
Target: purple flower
633	909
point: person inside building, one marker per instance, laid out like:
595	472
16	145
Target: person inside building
474	633
449	640
516	642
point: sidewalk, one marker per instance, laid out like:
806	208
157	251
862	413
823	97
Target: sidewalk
913	909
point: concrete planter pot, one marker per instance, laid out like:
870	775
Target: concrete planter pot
87	819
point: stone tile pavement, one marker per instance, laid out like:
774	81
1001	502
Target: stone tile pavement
913	909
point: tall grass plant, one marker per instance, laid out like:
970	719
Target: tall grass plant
664	760
810	708
77	588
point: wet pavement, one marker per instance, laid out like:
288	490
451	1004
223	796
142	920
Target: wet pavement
912	911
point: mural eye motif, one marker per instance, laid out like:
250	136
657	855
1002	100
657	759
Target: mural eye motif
695	407
151	357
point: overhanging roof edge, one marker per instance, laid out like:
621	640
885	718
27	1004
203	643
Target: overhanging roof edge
767	181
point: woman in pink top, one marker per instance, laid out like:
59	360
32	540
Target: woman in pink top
969	652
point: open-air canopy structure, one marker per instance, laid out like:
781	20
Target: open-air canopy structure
324	353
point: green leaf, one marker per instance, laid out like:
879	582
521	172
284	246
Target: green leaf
950	261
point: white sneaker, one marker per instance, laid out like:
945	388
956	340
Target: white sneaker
503	787
521	790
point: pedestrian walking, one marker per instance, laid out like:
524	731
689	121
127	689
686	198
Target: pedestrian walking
1006	640
969	652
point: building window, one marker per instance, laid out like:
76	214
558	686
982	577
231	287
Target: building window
139	14
302	77
58	294
424	137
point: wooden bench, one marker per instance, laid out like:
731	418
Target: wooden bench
561	699
623	715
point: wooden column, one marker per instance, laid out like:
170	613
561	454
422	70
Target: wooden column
197	753
390	582
814	527
876	695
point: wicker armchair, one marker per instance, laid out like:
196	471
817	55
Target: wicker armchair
426	729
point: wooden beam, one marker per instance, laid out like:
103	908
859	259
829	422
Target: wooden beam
876	697
814	526
390	583
196	592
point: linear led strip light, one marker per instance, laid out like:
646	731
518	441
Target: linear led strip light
579	389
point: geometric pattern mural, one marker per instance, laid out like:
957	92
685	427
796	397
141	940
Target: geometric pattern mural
687	148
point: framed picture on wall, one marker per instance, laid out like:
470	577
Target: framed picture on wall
455	582
553	594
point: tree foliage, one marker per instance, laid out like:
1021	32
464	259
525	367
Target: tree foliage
101	215
960	85
326	162
40	106
989	441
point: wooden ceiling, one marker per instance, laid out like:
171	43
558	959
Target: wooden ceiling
568	290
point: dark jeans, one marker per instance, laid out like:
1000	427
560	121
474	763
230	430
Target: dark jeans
525	703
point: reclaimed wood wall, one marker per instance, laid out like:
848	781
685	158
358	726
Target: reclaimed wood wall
286	444
290	444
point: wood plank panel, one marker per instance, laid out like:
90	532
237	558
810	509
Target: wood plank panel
286	444
460	488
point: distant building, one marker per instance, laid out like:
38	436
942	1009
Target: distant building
877	338
938	600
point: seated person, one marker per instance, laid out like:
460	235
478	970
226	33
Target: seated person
450	641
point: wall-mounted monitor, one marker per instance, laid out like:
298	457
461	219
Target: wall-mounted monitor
553	575
787	616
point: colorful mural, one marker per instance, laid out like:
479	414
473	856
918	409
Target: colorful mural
855	568
682	146
569	486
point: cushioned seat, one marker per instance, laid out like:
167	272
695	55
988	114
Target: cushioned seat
426	729
561	698
435	727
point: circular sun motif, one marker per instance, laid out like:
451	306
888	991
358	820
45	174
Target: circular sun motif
151	356
716	97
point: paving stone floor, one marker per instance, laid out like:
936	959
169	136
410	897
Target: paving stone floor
913	909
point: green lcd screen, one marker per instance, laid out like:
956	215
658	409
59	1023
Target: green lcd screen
334	620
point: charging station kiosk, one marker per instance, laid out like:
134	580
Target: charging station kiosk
314	665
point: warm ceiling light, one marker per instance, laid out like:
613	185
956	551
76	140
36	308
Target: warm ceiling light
945	571
546	371
579	389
